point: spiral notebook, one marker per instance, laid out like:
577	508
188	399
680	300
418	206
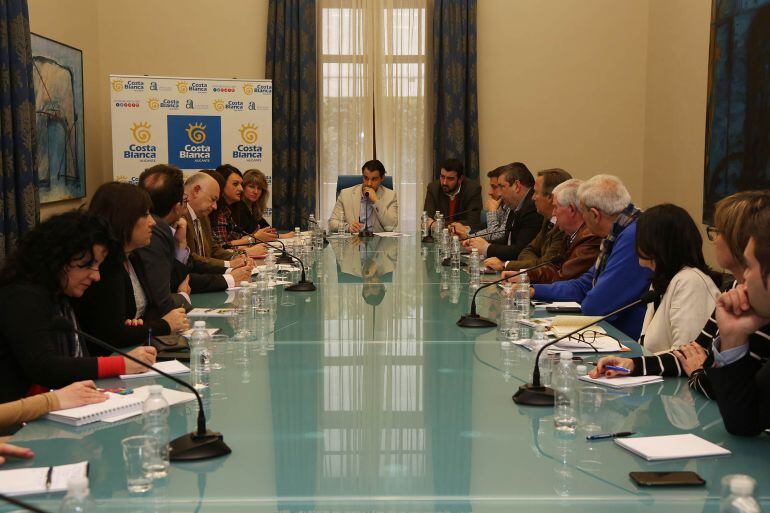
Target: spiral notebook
116	405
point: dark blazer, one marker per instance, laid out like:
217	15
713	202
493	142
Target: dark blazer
468	199
521	227
578	258
104	308
31	352
204	277
158	259
244	219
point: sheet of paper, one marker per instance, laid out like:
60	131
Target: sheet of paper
671	447
169	367
564	304
188	333
623	381
28	481
391	234
211	312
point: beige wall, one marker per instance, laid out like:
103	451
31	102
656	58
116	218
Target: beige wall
168	37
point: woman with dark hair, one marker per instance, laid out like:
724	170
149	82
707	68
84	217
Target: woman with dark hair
731	233
117	308
668	242
54	263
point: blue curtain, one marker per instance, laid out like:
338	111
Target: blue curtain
291	64
456	125
19	200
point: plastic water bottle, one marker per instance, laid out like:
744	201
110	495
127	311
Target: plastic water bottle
155	415
297	232
200	355
77	499
243	310
446	243
521	294
739	495
269	267
563	378
474	265
424	224
260	300
455	254
438	225
539	338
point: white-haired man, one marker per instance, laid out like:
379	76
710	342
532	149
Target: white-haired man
616	278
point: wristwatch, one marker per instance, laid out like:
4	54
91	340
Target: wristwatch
251	240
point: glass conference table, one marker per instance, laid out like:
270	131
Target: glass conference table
366	396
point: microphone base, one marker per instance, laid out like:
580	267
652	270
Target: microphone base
428	239
302	286
366	233
284	259
447	262
475	321
531	395
191	447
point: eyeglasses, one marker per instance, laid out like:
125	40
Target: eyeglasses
589	337
712	232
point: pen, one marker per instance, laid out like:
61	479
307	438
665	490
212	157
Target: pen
48	478
610	435
616	368
149	337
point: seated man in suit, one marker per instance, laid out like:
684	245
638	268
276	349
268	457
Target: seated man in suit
550	241
167	258
456	197
523	222
582	246
202	195
496	211
369	207
740	376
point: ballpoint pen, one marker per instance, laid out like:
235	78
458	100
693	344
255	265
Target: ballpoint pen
48	478
149	337
604	436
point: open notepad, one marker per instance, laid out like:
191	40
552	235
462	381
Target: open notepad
671	447
622	381
169	367
29	481
116	408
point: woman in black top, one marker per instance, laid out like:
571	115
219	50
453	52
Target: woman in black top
53	264
249	213
117	309
730	236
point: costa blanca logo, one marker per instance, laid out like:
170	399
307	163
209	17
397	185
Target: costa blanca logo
219	105
142	151
250	151
199	87
153	103
248	133
196	133
117	85
134	85
182	87
141	132
248	89
194	142
122	104
263	89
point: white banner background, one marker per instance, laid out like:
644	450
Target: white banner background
193	123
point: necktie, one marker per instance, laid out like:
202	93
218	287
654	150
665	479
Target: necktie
199	237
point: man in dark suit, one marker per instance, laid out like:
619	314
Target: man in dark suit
523	223
167	259
458	198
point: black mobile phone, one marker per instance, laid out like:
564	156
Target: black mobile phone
563	309
675	478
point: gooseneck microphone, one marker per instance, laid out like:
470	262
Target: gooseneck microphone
303	285
21	504
474	320
536	395
199	445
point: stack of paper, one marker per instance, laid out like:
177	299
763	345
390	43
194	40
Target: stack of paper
622	381
542	305
169	367
29	481
671	447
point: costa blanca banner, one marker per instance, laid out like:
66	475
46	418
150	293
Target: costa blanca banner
191	123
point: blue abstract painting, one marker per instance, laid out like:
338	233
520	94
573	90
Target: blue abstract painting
58	81
738	118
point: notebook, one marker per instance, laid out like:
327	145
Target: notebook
211	312
169	367
29	481
622	381
116	408
671	447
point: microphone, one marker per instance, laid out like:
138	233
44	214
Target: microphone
366	193
303	285
21	504
536	395
284	258
473	320
199	445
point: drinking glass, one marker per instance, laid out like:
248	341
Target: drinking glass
591	401
138	454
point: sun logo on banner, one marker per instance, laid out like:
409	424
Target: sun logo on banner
248	89
117	85
219	105
141	132
182	87
153	103
249	133
196	132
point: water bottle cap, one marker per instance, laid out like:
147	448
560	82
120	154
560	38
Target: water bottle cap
455	237
78	484
742	485
199	324
446	230
244	283
156	389
475	250
581	370
565	355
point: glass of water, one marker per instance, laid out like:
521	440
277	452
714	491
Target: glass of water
138	455
591	401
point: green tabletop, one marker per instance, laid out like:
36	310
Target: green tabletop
366	396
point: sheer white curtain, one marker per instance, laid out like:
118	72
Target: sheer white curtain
373	75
